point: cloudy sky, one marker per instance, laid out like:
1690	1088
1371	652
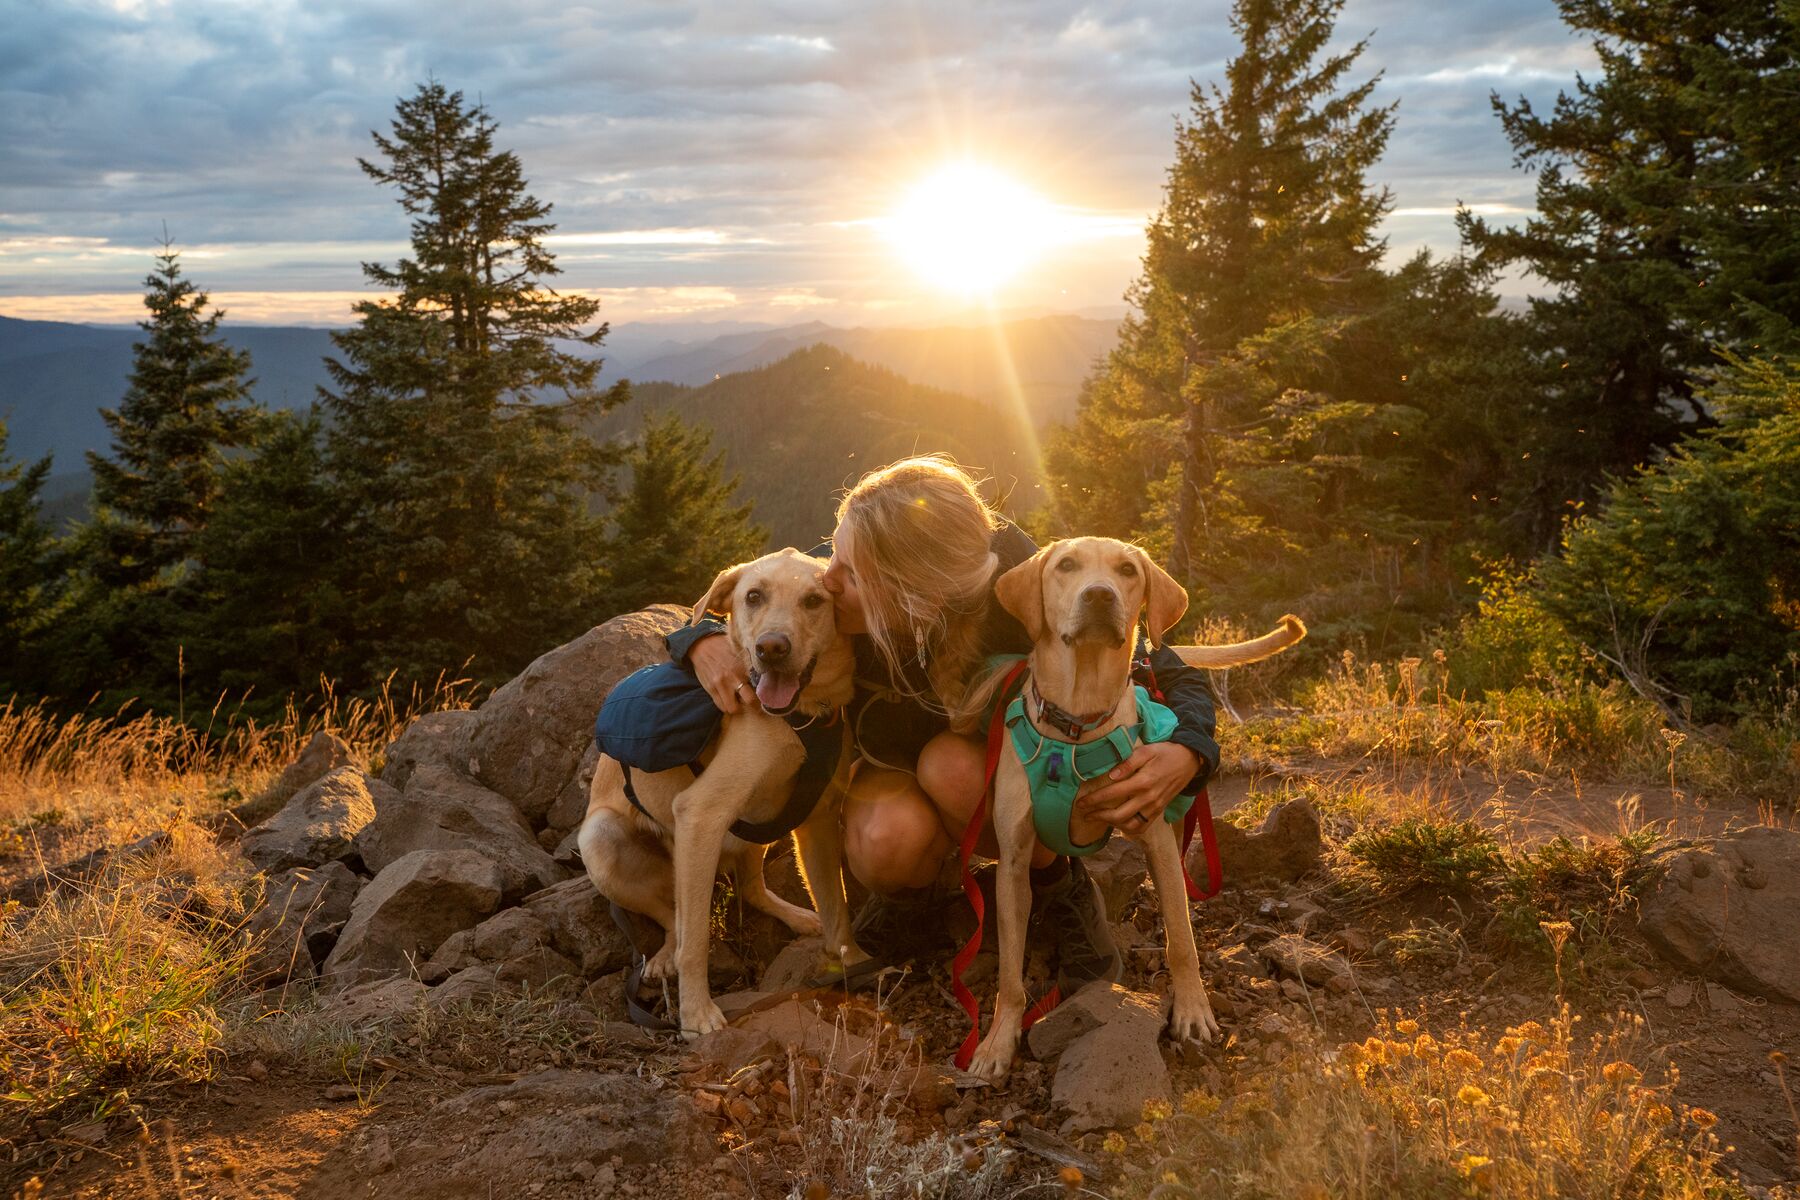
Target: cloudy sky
740	161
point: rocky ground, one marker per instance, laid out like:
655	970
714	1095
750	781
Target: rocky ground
438	1008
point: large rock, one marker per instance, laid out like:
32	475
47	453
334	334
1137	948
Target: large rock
439	738
1284	847
298	922
1105	1075
441	810
1079	1015
532	733
581	927
323	753
1727	911
408	910
318	824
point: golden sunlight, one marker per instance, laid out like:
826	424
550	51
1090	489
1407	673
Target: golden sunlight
967	228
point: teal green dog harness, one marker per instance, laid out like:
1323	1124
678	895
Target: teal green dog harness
1056	770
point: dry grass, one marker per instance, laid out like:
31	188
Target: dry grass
1405	714
1539	1112
119	985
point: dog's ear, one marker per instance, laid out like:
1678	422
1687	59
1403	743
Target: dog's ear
1021	593
1166	599
718	596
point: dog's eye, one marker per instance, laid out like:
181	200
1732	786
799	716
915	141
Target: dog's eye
813	600
1067	564
752	598
1128	569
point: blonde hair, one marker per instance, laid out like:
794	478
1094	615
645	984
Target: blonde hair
920	535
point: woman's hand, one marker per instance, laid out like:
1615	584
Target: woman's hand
1138	789
721	673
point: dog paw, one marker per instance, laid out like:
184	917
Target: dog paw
1193	1021
991	1062
803	922
701	1019
661	965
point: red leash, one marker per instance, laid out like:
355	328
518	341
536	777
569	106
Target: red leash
972	834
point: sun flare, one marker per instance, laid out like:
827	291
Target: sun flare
967	228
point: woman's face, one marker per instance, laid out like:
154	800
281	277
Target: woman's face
840	581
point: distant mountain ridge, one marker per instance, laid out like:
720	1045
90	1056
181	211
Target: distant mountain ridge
800	430
56	376
1041	361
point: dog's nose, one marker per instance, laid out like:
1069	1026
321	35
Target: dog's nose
1098	596
773	647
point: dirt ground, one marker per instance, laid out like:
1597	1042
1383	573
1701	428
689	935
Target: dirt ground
292	1134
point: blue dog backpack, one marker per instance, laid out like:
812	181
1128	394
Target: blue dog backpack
656	719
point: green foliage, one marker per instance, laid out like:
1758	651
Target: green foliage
188	407
1665	225
1688	579
678	524
270	617
29	566
455	438
800	430
1419	852
1512	639
1283	422
1592	885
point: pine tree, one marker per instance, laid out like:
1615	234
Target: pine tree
1688	576
186	408
187	405
1252	405
456	421
269	619
1665	224
678	524
29	570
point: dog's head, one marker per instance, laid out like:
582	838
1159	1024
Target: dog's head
781	623
1089	590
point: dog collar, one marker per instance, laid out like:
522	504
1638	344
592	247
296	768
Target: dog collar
1062	721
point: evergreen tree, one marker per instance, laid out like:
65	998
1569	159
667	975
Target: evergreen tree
29	571
1666	224
1265	403
678	523
186	408
187	405
1688	577
456	421
269	617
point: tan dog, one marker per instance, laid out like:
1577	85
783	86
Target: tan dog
663	864
1079	600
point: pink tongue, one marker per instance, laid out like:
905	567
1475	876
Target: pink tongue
776	691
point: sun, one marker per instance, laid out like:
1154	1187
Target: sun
968	228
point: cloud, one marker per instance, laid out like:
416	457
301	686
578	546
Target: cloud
717	146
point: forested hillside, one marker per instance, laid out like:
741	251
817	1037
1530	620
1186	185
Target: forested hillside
799	431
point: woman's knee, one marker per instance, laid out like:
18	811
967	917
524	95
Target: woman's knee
892	836
953	774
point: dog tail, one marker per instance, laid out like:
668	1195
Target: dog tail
1292	629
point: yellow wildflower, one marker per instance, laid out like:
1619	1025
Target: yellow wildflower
1157	1110
1424	1046
1704	1118
1463	1060
1145	1131
1507	1046
1407	1028
1199	1103
1114	1143
1471	1095
1621	1073
1658	1114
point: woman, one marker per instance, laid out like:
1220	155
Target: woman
913	564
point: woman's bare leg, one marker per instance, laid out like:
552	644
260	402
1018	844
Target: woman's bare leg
893	837
953	776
